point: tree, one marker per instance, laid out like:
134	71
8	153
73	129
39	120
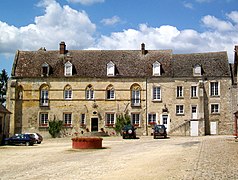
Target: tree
3	86
122	120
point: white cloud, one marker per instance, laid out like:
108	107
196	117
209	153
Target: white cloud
111	21
188	5
56	25
214	23
233	16
204	1
86	2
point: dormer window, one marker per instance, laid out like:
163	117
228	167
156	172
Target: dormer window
45	69
156	69
111	69
197	70
68	69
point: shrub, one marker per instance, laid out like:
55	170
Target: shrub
55	127
121	121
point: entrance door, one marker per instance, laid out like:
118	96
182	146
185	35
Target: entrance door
193	128
194	112
165	121
213	128
94	124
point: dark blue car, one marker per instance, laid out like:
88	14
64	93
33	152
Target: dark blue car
26	139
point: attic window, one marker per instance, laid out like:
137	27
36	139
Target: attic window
68	69
111	69
156	68
45	69
197	70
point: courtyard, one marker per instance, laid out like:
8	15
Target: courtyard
206	157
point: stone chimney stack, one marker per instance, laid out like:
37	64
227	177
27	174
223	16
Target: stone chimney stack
62	48
143	51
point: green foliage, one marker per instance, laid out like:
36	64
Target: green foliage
55	127
3	86
121	121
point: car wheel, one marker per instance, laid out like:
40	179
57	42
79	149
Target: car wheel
27	143
165	136
154	137
123	137
39	142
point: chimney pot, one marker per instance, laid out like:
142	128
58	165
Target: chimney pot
143	49
62	48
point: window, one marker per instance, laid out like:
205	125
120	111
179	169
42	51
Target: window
197	70
68	69
135	119
89	92
156	93
179	109
135	95
44	96
193	91
44	119
45	69
110	69
214	108
68	119
214	87
110	93
67	92
83	120
179	91
156	69
110	119
152	118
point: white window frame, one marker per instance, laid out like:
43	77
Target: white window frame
89	93
44	99
83	119
68	69
215	108
197	70
110	119
152	118
68	118
214	88
194	91
68	94
135	97
156	69
156	93
44	118
110	69
110	93
179	92
135	119
179	109
43	67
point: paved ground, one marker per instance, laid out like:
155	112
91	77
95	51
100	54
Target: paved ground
210	157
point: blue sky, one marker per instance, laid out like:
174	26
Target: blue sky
185	26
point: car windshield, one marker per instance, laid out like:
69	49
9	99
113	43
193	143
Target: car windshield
159	127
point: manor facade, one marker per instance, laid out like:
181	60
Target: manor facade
190	94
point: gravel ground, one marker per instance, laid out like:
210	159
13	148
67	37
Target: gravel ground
208	157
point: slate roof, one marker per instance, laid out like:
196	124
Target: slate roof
213	64
129	63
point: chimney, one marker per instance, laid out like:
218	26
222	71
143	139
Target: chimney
143	51
62	48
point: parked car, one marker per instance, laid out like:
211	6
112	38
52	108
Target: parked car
160	131
128	131
37	136
26	139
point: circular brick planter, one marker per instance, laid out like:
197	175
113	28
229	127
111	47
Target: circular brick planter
87	143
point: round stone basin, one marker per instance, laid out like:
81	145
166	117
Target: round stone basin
87	143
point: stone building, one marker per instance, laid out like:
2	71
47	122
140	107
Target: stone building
190	93
4	123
